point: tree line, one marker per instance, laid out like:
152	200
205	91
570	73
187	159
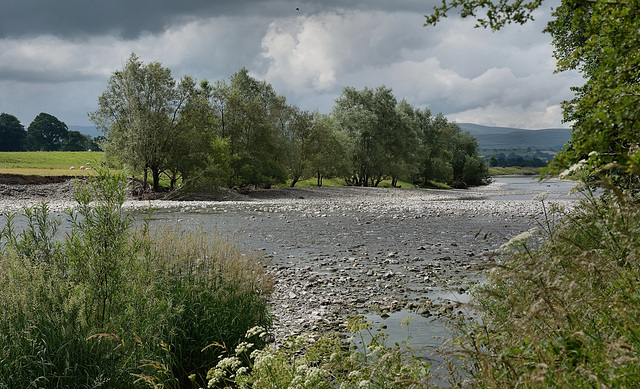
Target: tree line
45	133
239	131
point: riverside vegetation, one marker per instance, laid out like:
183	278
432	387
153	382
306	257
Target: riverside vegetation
114	306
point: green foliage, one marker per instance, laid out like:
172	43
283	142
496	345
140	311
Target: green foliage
46	133
563	312
116	307
152	122
376	134
253	119
488	13
600	39
329	362
12	133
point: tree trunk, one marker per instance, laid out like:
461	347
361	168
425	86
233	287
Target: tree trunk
319	179
156	179
294	181
144	180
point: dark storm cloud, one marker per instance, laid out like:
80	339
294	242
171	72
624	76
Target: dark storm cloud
131	18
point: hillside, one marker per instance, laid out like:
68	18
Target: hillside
512	138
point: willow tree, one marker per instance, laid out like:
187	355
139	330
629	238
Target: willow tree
139	112
380	140
252	117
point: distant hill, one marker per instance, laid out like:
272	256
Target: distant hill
509	138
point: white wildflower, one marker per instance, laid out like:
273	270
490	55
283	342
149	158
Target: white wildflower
582	164
214	376
364	384
302	369
243	347
315	374
242	371
229	363
257	330
354	374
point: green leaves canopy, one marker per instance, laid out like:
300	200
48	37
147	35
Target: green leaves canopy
12	133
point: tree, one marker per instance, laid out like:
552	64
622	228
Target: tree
139	113
377	133
434	154
599	38
253	119
327	153
46	133
75	141
299	149
196	147
12	134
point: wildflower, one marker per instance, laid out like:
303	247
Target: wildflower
214	376
230	363
354	374
257	330
243	347
364	384
582	164
242	371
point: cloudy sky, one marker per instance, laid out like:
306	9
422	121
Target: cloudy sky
56	56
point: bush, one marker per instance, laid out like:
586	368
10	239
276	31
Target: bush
564	312
113	306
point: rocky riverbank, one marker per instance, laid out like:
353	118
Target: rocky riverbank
336	252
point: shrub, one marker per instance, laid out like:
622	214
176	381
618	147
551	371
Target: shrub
113	306
564	312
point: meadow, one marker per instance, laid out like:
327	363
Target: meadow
49	163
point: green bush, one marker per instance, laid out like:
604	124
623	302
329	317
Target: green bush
564	312
114	306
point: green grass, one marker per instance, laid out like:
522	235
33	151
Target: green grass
514	171
53	163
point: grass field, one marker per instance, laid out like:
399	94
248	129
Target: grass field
49	163
514	171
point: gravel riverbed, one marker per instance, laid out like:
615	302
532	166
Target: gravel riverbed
336	252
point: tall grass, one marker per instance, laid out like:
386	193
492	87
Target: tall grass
113	306
565	312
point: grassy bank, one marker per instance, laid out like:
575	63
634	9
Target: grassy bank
53	163
561	308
